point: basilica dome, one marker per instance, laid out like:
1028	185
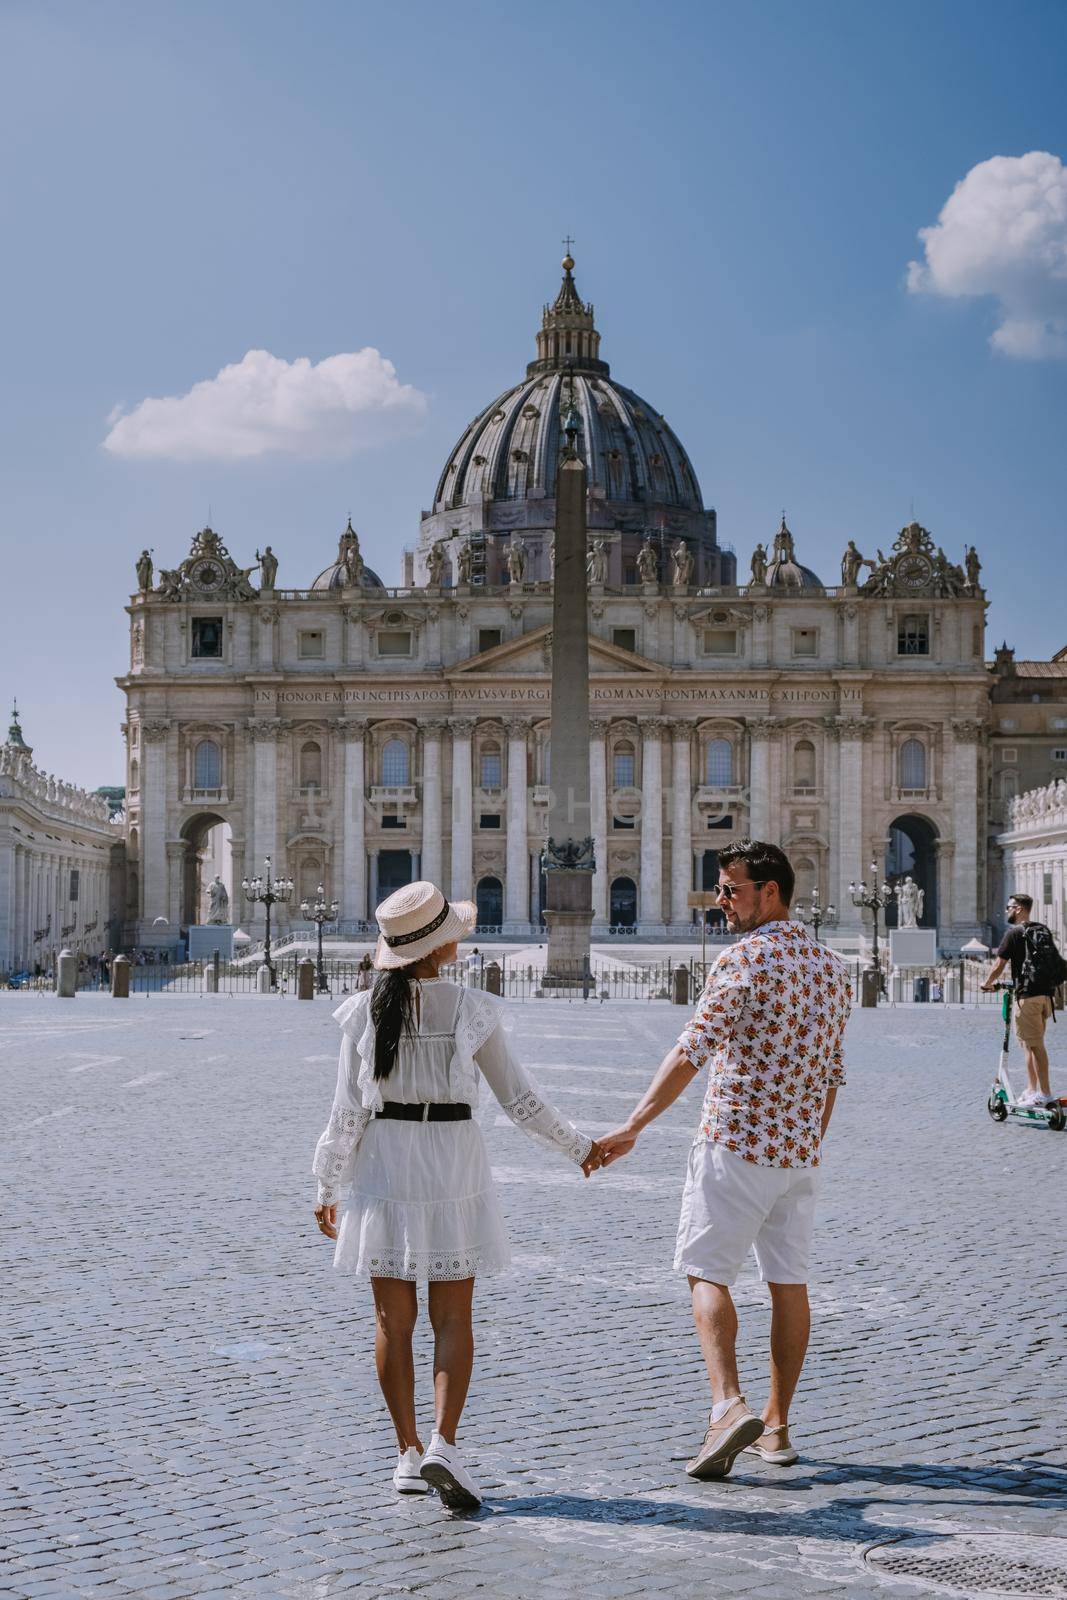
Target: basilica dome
500	478
784	570
341	573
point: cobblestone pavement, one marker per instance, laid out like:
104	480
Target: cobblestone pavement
187	1396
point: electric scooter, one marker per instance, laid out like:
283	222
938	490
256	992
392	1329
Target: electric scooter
1003	1102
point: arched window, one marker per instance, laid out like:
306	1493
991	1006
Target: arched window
207	765
720	764
395	764
310	765
1009	785
913	764
804	870
489	897
804	765
492	767
624	765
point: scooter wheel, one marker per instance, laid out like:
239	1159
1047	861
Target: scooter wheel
1057	1118
996	1108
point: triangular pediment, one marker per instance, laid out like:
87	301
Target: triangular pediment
533	654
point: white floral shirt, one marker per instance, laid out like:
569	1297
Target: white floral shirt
769	1026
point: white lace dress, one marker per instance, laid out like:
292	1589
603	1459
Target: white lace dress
421	1203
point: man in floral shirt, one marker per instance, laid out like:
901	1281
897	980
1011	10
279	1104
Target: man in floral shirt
769	1028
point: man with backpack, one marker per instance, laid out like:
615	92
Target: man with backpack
1037	971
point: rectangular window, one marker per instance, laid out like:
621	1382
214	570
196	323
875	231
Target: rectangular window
1059	755
394	641
1007	724
629	572
207	637
311	645
720	641
805	641
620	824
913	636
624	638
488	639
492	770
75	883
1057	722
489	819
392	820
1009	753
726	822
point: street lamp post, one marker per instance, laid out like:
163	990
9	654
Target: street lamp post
815	914
268	891
322	911
873	899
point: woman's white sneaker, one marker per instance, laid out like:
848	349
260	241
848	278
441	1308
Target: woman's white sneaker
774	1445
407	1476
443	1467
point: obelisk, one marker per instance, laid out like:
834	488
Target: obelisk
569	858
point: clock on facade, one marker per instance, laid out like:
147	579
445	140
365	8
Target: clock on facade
207	574
914	571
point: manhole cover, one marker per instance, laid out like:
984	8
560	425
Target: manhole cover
990	1564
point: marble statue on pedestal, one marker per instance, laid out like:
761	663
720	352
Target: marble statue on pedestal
218	901
909	903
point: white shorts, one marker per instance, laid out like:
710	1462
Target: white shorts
731	1206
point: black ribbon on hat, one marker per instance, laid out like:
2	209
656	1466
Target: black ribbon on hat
420	933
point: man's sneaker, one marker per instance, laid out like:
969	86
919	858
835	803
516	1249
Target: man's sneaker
724	1440
773	1445
442	1466
407	1478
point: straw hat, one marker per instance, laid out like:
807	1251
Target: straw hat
418	919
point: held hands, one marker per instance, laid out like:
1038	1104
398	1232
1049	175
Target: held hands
326	1219
608	1149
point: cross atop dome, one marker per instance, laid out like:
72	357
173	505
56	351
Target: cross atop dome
568	339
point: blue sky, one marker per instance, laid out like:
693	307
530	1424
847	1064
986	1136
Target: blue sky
184	183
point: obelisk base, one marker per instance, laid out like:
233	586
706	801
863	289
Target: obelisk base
569	918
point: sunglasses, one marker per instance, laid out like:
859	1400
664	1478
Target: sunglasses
728	891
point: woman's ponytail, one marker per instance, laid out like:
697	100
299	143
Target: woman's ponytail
392	1012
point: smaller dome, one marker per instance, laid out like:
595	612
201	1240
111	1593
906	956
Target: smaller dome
341	574
335	577
784	571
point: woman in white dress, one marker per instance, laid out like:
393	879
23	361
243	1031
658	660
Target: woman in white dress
403	1141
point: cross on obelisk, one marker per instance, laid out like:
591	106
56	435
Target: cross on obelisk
569	860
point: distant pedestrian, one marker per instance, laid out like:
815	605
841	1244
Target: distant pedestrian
1037	971
769	1027
365	974
422	1205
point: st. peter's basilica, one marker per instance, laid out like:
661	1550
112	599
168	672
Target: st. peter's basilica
361	734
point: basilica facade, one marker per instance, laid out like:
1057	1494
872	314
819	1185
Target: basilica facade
361	734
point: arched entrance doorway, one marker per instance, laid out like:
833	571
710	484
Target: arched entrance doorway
489	898
208	851
911	851
714	916
623	903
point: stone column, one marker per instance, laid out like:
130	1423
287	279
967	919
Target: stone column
517	877
681	824
598	805
432	859
462	810
154	821
651	907
761	731
176	849
850	823
353	822
966	816
265	733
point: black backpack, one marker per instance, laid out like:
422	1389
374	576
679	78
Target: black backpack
1043	968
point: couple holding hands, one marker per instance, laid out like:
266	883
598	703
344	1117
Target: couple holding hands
421	1206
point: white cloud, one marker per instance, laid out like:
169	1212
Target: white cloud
263	405
1003	232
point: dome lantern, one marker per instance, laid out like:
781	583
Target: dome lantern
568	339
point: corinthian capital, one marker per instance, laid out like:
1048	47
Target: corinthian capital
518	727
265	728
462	727
154	730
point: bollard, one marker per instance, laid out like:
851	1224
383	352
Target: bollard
120	978
492	977
211	979
305	979
680	981
263	979
66	974
868	987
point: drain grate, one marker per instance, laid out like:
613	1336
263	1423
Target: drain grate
972	1564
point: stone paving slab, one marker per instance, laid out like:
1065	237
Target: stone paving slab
187	1395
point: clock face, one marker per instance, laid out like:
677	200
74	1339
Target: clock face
914	571
207	574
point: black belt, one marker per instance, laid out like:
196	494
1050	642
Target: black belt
446	1111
